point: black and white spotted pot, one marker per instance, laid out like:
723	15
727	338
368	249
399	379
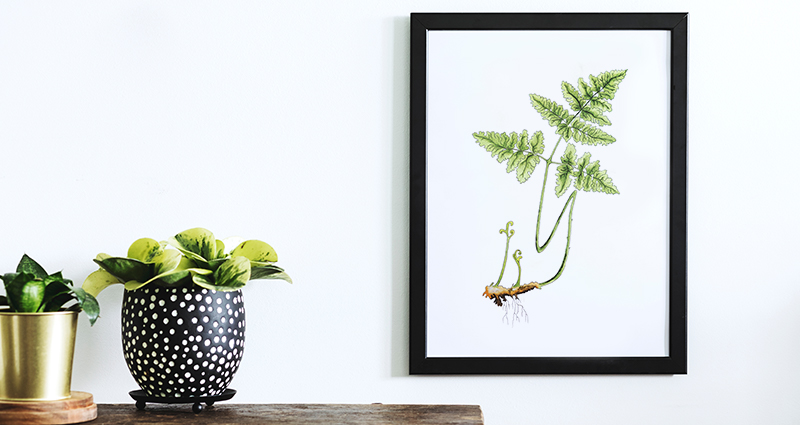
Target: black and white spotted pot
182	342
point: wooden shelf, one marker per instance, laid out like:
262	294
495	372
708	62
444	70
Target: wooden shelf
291	414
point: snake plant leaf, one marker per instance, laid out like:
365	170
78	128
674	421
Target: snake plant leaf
52	296
564	170
198	241
233	274
88	304
255	250
145	249
127	269
57	302
25	293
551	111
28	265
3	301
99	280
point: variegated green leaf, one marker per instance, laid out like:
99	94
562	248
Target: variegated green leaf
198	241
261	272
231	243
133	285
144	250
127	268
99	280
25	292
233	274
167	260
88	304
52	300
28	265
255	250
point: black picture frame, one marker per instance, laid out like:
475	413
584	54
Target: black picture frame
676	360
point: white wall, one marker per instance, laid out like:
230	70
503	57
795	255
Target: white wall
287	121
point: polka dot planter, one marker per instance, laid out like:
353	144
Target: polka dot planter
182	342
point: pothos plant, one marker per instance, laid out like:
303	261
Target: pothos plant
32	290
522	152
198	258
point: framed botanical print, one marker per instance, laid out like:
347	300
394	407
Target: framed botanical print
548	193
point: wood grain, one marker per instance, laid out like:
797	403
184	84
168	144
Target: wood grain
291	414
78	408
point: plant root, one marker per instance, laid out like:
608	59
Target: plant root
500	294
518	313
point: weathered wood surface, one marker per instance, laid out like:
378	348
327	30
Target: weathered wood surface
79	407
290	414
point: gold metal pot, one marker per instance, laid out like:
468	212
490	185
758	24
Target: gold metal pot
36	351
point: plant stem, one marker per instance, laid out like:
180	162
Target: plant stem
570	201
509	233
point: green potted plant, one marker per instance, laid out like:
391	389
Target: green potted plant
182	313
38	320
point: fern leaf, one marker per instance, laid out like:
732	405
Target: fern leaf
590	178
520	142
572	96
586	91
521	150
552	112
537	143
588	134
594	115
526	167
564	171
500	145
606	84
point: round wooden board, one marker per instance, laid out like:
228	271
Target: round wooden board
79	407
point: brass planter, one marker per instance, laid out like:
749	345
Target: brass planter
36	351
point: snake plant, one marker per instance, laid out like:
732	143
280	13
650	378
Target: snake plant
198	258
32	290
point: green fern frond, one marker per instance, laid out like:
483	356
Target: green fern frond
564	171
606	84
520	150
551	111
588	134
572	96
590	178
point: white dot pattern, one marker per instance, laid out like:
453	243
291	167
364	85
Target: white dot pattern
176	344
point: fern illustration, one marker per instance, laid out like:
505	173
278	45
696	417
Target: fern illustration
578	123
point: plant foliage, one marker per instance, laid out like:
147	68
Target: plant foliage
32	290
197	257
